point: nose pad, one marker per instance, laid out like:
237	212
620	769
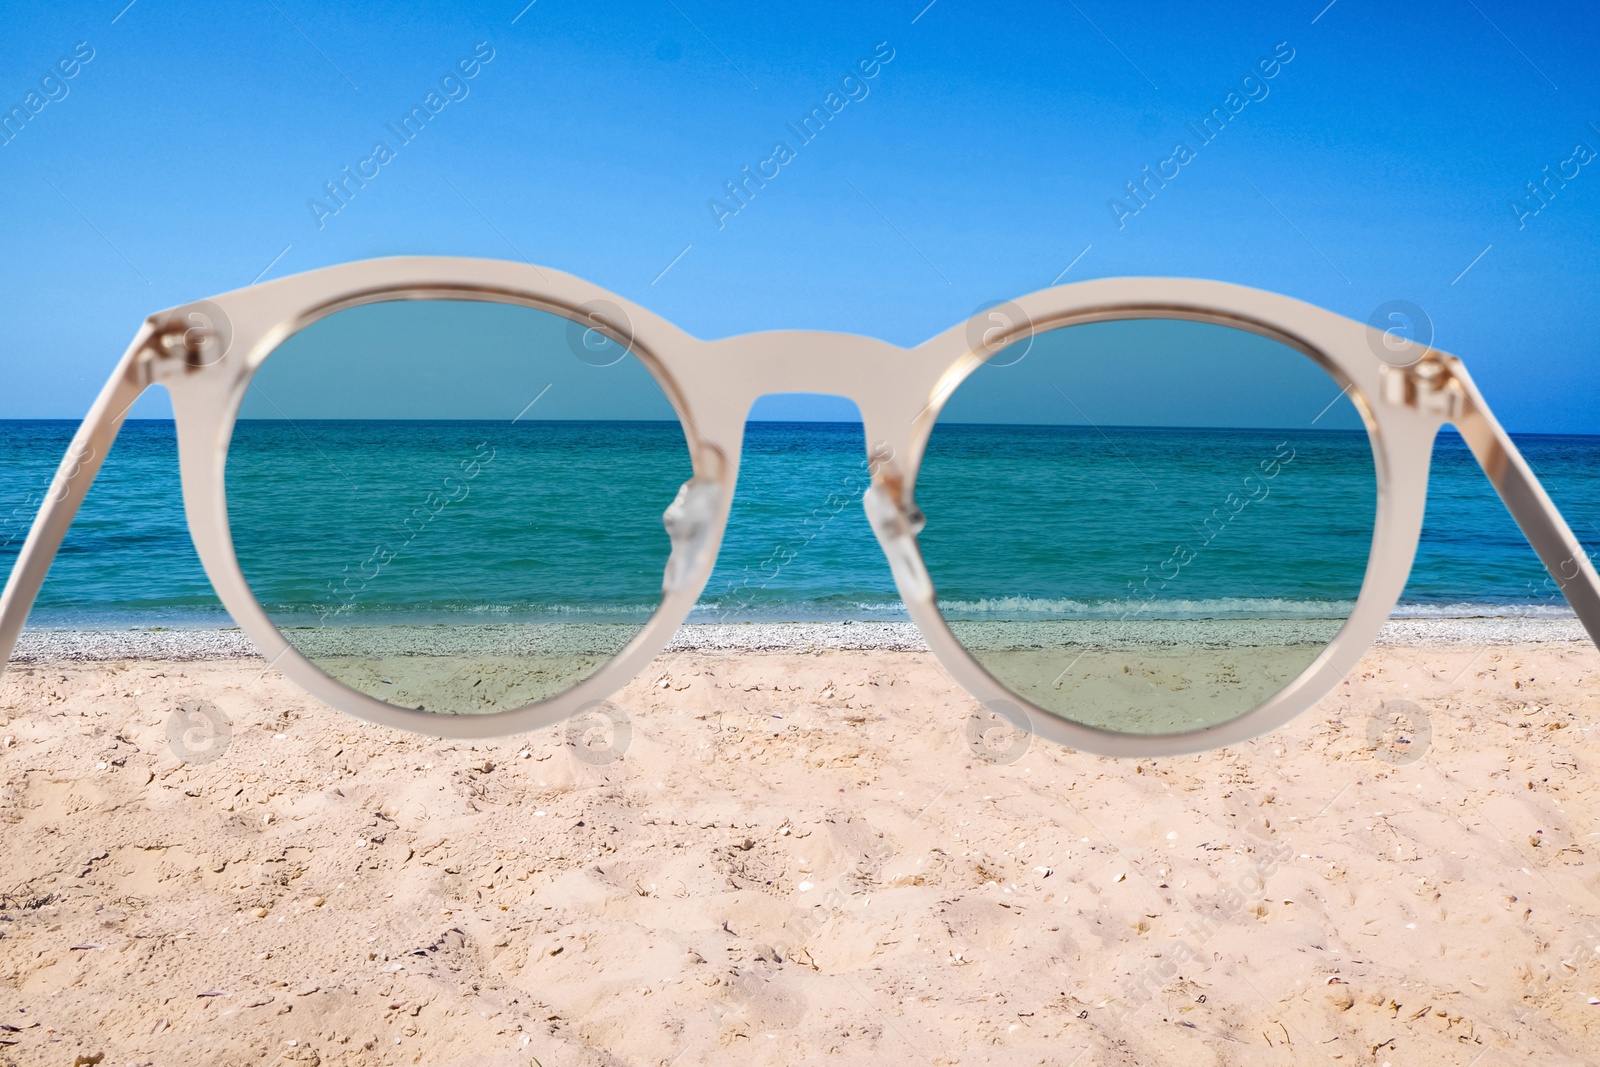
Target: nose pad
897	527
689	520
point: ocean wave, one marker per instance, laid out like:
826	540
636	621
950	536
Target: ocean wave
1236	608
446	613
1465	610
998	608
834	608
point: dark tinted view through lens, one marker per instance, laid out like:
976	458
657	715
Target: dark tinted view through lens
1147	526
454	505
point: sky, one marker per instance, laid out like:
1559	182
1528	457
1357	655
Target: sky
1383	160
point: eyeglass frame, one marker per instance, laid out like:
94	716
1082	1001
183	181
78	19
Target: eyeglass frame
206	353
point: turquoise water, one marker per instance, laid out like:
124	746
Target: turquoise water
1107	523
798	546
339	521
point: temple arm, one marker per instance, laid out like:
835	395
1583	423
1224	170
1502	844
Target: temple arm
84	456
1564	557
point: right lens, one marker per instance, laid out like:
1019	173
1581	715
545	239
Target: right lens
452	505
1149	526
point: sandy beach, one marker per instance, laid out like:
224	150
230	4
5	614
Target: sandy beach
796	846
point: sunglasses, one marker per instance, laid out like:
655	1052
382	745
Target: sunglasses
1135	516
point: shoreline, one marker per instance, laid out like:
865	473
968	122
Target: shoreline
187	645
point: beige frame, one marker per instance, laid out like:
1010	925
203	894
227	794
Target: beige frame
205	354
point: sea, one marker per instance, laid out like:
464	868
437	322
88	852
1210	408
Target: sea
356	522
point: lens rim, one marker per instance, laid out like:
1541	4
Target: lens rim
206	408
1400	448
613	323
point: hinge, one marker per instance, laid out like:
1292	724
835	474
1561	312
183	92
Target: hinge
165	352
1427	385
172	347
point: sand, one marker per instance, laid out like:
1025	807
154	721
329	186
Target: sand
787	857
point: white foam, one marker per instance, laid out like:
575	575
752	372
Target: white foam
42	646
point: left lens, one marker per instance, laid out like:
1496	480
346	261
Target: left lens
455	506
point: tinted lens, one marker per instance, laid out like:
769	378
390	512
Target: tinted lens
1147	526
453	505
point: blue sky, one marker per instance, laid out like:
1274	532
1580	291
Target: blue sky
1380	164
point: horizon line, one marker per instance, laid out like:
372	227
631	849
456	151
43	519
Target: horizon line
800	422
